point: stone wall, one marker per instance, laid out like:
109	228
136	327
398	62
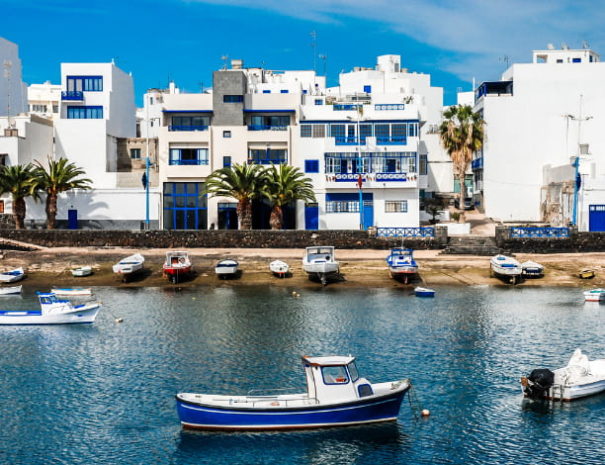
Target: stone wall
346	239
577	242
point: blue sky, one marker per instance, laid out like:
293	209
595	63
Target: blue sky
184	40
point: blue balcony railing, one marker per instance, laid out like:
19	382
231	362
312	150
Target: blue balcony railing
346	140
264	127
522	232
393	140
345	107
477	163
188	162
73	95
423	231
392	177
187	128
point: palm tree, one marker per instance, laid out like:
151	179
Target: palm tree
17	181
60	176
243	183
461	133
285	184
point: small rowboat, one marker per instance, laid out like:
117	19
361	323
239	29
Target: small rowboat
505	267
129	266
594	295
10	290
279	268
226	268
13	275
424	292
81	271
586	274
78	291
52	311
531	269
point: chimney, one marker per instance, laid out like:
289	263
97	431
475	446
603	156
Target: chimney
237	64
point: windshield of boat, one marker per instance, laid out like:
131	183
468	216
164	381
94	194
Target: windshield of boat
335	375
353	371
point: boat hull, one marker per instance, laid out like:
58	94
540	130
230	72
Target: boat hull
79	315
11	290
376	409
571	393
81	272
72	292
176	273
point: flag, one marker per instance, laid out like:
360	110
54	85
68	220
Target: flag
359	181
144	180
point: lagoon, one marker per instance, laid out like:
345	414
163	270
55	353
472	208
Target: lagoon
104	394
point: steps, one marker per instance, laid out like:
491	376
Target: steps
472	245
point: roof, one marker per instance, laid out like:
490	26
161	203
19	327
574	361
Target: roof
330	360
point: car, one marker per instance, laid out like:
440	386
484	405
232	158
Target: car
468	203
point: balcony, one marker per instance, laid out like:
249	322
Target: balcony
392	140
188	162
345	107
265	127
372	177
347	140
72	95
178	128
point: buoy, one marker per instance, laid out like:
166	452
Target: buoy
119	320
293	293
425	412
192	298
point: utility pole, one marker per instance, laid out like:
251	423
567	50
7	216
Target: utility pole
313	35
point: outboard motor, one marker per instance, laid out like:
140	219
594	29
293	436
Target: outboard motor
537	384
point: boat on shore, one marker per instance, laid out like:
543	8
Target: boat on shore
176	266
10	290
320	263
52	311
226	268
594	295
424	292
586	273
81	271
279	268
506	268
336	396
580	378
129	266
402	265
531	269
12	276
73	291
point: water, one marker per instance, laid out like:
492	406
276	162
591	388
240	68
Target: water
104	394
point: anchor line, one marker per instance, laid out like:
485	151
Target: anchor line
415	406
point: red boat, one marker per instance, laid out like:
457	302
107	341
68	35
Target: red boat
177	266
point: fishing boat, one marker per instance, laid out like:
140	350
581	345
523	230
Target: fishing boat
506	268
226	268
402	264
586	273
129	266
10	290
580	378
75	291
319	263
531	269
336	396
81	271
424	292
52	311
279	268
11	276
177	265
594	295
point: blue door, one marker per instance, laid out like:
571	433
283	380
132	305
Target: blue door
72	219
596	217
368	211
311	216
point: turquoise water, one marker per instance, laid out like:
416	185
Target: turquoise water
104	394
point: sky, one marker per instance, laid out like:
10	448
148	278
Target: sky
455	41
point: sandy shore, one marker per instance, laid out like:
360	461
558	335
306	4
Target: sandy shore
361	268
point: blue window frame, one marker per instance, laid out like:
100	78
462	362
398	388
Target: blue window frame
311	166
367	89
189	123
226	161
319	101
371	162
305	130
188	156
84	83
269	123
284	91
85	112
233	98
576	60
345	202
267	156
185	205
266	91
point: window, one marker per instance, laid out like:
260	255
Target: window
188	156
84	83
185	205
39	108
353	371
135	154
319	130
227	134
233	98
266	91
260	122
3	158
189	123
55	108
85	112
367	89
284	91
267	156
371	162
576	60
311	166
334	375
345	202
559	61
226	161
337	130
319	101
305	130
422	164
396	206
150	100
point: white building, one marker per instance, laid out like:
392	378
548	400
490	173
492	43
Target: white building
44	100
13	92
538	118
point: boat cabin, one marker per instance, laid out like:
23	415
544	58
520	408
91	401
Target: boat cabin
401	256
176	258
49	301
320	254
334	379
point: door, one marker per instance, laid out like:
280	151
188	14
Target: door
596	218
368	212
311	216
72	219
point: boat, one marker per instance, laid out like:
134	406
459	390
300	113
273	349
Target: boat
10	290
81	271
226	268
75	291
586	273
319	263
402	264
594	295
129	266
531	269
279	268
424	292
505	267
336	396
176	266
580	378
52	311
11	276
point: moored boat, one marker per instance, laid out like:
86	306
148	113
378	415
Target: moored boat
586	273
424	292
580	378
320	263
402	264
74	291
226	268
13	275
506	268
336	396
52	311
594	295
177	265
129	266
81	271
531	269
10	290
279	268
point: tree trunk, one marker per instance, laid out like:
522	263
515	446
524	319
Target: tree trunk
277	217
19	210
244	214
461	180
51	211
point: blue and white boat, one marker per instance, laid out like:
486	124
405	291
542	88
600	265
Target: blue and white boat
424	292
13	275
506	268
52	311
71	291
402	264
336	396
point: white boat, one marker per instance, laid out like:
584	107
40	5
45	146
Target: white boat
402	264
580	378
424	292
10	290
505	267
226	268
76	291
11	276
81	271
594	295
531	269
176	266
129	265
319	263
52	311
279	268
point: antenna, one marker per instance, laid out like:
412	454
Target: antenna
313	35
585	45
225	58
505	59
